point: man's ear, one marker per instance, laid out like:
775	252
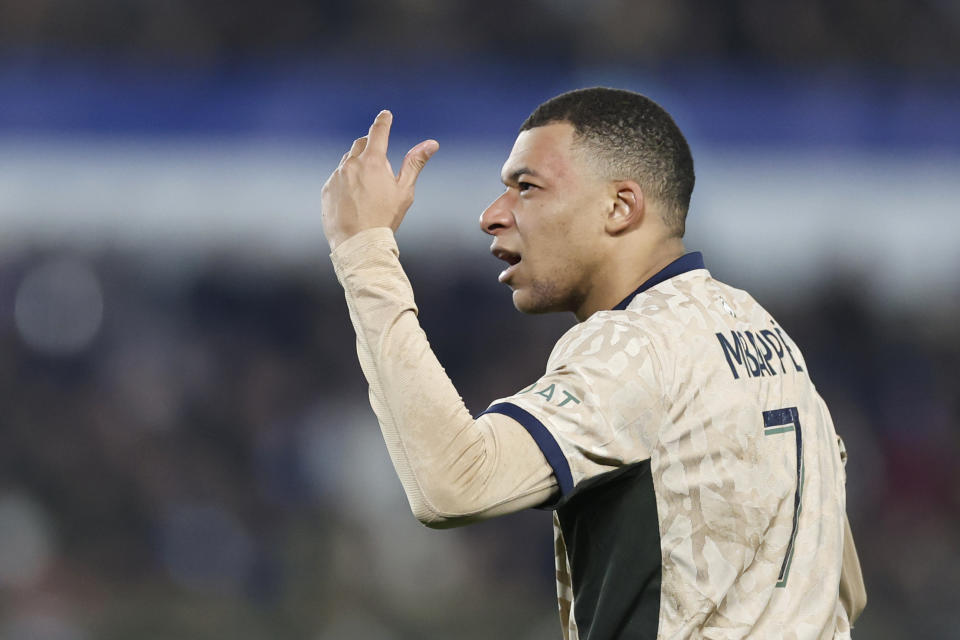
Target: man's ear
629	208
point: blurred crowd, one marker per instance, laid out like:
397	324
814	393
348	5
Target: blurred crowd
193	455
898	33
189	453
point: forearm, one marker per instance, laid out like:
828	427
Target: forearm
454	469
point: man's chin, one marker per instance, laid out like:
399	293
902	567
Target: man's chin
526	303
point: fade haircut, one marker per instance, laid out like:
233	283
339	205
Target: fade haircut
634	138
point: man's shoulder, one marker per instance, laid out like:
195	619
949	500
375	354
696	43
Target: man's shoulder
661	320
601	336
691	300
648	314
612	323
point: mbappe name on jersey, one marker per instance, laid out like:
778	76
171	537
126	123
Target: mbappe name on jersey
758	353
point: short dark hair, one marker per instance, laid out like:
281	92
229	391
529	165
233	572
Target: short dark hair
634	137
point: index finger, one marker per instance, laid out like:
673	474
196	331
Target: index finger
379	135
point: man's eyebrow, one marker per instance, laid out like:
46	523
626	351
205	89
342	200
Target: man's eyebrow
522	171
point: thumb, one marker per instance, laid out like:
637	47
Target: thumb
414	161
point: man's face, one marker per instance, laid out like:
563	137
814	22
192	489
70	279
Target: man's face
549	223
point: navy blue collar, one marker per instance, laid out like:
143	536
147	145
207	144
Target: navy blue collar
684	263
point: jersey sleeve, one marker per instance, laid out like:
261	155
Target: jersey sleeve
599	404
853	591
455	470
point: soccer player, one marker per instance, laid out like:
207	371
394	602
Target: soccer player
696	479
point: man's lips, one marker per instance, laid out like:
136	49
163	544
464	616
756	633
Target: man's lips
507	273
510	257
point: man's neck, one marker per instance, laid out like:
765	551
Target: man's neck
623	277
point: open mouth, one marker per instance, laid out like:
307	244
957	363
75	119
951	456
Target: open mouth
512	258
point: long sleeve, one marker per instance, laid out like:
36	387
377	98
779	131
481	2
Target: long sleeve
853	593
454	469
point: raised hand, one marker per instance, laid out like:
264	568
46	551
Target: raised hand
363	192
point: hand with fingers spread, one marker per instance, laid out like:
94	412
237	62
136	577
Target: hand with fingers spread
363	192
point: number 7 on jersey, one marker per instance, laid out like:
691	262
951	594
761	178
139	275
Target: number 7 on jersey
783	421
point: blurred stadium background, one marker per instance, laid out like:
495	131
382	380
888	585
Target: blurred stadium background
186	449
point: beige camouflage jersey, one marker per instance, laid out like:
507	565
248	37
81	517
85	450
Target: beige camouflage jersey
703	486
696	478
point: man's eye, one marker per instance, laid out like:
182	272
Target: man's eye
525	186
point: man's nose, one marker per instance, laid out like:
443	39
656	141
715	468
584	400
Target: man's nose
497	216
